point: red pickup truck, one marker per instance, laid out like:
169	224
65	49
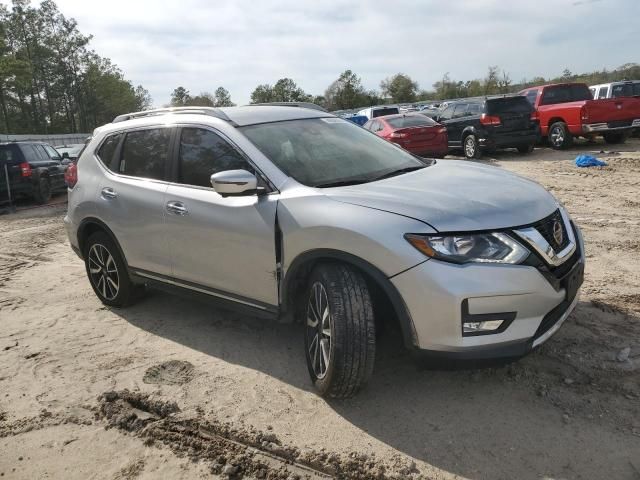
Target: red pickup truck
567	110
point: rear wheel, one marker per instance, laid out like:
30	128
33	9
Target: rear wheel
525	149
614	138
339	330
471	147
107	271
42	193
559	136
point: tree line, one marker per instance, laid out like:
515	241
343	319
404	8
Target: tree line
347	91
51	81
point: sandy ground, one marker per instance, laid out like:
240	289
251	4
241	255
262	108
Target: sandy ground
569	410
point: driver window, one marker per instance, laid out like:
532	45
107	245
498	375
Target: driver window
447	113
203	153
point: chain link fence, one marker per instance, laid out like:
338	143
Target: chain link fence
53	140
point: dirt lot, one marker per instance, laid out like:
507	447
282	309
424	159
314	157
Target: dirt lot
215	393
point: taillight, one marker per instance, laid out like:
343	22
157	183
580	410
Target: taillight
489	120
71	175
441	130
534	116
25	169
399	135
584	114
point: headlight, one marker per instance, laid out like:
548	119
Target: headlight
480	248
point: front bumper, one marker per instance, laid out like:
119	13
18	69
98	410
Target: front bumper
434	292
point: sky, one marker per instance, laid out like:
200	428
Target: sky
239	44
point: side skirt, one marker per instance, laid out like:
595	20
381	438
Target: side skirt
193	290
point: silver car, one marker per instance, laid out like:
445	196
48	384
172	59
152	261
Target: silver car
292	212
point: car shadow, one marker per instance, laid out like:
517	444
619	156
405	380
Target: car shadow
474	423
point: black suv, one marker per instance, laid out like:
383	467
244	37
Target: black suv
489	123
35	170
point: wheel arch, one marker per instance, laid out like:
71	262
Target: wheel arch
553	120
91	225
300	268
469	130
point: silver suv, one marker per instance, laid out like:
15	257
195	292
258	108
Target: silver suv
293	212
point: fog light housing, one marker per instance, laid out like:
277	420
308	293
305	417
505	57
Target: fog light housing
484	323
477	327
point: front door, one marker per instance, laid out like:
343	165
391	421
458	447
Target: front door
225	244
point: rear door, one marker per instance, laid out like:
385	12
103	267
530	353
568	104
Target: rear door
222	245
132	192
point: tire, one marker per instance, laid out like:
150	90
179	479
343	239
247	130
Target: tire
525	149
614	138
109	278
42	193
559	136
337	302
470	147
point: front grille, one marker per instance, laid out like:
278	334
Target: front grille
546	226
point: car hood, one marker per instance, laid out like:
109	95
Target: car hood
455	196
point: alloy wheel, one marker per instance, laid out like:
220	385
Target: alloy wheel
318	330
103	271
557	136
469	147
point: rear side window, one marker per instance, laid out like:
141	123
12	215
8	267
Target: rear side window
145	152
30	154
474	109
497	106
565	93
203	153
411	121
108	149
380	112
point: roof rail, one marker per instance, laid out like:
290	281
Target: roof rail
309	105
211	111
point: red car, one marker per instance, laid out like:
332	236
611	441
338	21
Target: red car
414	132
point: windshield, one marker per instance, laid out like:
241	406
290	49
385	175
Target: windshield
410	121
323	151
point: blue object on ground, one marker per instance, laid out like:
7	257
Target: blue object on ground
589	161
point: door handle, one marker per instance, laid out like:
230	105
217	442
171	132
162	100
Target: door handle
109	193
177	208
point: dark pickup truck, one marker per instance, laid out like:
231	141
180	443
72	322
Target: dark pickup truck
35	170
567	110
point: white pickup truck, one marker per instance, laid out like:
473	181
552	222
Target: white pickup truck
626	88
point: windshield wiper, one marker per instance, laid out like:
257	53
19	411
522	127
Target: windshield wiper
399	171
342	183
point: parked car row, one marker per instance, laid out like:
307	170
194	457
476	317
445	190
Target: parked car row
35	169
555	113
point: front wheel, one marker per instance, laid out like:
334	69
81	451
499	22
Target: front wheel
339	330
471	147
107	271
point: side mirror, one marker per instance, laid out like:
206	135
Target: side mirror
234	182
65	155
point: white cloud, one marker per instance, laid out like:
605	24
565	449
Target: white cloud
239	44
